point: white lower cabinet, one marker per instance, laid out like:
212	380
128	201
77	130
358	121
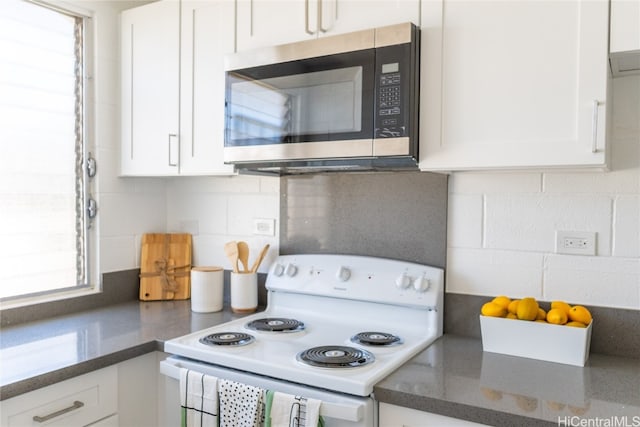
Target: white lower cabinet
397	416
122	395
138	391
78	401
112	421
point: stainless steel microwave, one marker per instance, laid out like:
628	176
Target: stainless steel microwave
340	103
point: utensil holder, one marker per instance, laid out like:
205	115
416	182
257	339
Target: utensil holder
244	292
207	289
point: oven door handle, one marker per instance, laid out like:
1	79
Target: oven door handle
346	412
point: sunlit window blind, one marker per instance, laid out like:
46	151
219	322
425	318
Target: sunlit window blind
42	225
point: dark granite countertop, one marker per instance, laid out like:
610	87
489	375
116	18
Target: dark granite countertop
453	377
37	354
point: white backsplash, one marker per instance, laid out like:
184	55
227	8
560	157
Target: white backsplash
216	210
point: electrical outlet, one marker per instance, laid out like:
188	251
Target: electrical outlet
264	226
576	242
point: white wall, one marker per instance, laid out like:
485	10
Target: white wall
501	226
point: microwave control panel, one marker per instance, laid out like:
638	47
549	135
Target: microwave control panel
393	81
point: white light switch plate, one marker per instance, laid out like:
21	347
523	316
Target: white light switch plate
576	242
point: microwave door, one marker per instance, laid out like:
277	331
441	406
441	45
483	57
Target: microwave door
294	110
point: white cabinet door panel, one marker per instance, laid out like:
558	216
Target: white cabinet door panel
523	84
208	34
150	89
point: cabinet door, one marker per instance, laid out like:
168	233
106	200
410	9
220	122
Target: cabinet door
523	84
344	16
150	47
272	22
396	416
207	35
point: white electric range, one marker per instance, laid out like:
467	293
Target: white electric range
334	326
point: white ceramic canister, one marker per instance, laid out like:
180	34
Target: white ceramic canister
207	289
244	292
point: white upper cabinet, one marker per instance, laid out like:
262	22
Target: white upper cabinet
516	85
150	49
272	22
624	43
173	87
207	30
344	16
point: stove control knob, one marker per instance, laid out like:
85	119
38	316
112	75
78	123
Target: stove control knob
403	281
291	270
278	270
343	274
421	284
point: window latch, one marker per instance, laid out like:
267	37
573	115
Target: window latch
92	166
92	208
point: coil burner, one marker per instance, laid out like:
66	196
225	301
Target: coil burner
275	324
227	338
378	339
335	356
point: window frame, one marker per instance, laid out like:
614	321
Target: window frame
91	284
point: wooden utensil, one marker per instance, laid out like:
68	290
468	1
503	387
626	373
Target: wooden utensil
231	251
243	255
258	260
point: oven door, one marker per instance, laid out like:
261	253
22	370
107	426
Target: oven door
309	109
337	410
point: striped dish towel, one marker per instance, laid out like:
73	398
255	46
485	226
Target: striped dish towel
198	399
241	405
286	410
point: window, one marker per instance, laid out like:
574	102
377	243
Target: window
44	185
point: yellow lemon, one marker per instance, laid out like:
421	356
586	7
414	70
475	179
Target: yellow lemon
542	315
557	316
502	301
580	314
540	321
576	324
511	316
562	305
513	306
527	309
494	310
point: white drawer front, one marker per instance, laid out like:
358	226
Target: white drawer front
78	401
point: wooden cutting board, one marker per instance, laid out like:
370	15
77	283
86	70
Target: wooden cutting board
165	267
